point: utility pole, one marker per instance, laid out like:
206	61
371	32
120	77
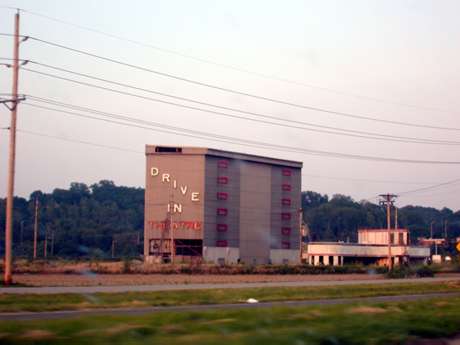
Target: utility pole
388	201
445	229
52	243
171	230
36	228
45	243
8	279
300	232
171	225
21	237
113	248
431	229
396	218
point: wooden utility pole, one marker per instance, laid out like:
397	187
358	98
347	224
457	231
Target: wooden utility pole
52	243
11	161
45	243
171	230
171	226
388	201
113	248
36	228
396	218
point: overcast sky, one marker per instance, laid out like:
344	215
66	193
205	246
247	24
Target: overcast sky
404	54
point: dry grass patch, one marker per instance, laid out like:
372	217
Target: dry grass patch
121	328
219	321
172	329
367	310
37	334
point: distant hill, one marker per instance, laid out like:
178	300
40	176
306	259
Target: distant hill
83	220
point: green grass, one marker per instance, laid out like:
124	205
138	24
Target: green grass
30	302
383	323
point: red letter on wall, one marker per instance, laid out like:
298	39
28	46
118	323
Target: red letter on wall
285	216
222	196
286	172
286	187
222	164
286	202
222	227
222	211
222	180
286	231
221	243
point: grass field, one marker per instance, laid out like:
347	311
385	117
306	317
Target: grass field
13	303
383	323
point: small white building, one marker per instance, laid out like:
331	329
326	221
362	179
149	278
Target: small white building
372	248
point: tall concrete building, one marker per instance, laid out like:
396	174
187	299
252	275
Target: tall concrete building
223	207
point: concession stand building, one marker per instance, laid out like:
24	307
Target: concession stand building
220	206
374	247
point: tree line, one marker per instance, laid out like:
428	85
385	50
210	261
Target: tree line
103	219
338	218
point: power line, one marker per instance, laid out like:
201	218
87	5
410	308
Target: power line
84	142
365	180
430	187
347	132
227	66
78	141
241	93
232	140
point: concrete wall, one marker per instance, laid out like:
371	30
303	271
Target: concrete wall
364	250
255	205
173	180
214	231
219	255
380	236
284	256
256	222
285	233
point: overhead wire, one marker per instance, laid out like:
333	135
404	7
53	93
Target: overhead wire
237	92
232	140
227	66
292	104
323	129
436	186
118	148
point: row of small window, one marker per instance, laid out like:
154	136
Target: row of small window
224	243
224	196
285	231
224	180
222	211
223	164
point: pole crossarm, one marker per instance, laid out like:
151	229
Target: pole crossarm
15	102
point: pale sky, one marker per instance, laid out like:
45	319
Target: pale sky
401	52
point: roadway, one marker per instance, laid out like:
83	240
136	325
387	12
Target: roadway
176	287
24	316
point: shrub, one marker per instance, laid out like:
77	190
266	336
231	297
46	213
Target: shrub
126	266
424	271
400	272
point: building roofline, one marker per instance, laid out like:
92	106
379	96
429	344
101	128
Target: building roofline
383	230
187	150
365	245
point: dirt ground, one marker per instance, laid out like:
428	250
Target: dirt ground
91	279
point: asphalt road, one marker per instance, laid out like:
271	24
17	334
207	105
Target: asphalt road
173	287
23	316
